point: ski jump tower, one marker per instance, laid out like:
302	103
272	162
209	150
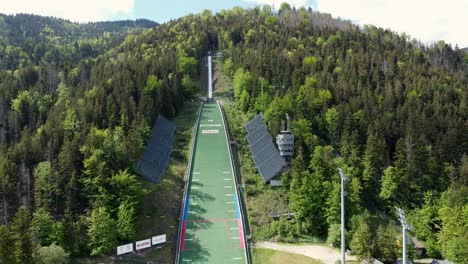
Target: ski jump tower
285	141
210	78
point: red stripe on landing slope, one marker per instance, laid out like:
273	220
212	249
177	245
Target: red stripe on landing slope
182	236
241	233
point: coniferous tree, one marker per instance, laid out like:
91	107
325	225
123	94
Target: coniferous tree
23	245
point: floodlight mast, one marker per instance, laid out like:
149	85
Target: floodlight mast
405	226
343	249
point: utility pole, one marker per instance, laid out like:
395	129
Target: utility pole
405	226
343	249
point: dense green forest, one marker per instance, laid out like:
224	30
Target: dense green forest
77	103
388	110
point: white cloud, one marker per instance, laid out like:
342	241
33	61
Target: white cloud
277	3
425	20
74	10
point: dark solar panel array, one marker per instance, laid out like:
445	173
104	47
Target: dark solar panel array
154	160
264	154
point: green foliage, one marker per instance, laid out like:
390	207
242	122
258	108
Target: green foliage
126	188
426	224
242	82
187	65
244	100
453	236
309	62
6	240
386	244
189	87
361	244
285	7
101	231
389	185
334	235
228	67
20	228
373	164
71	124
42	226
80	99
271	20
22	105
126	221
52	254
332	119
44	186
153	85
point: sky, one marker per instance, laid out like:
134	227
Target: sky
424	20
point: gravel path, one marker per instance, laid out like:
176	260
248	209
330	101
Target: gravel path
325	254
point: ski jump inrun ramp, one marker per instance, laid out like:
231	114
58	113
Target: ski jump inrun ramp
211	225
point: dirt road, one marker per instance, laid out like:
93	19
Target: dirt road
325	254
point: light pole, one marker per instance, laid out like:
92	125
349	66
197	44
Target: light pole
405	226
343	249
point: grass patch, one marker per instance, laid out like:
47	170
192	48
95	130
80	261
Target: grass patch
270	256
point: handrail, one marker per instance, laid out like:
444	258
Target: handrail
241	209
187	180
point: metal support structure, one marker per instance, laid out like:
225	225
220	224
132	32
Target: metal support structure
343	249
404	226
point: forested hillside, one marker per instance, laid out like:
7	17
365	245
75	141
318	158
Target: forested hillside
388	110
74	116
69	137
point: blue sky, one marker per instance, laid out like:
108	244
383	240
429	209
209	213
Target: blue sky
161	11
424	20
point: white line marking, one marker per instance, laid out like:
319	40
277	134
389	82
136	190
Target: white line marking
196	172
195	187
187	260
234	237
230	202
210	120
195	180
210	131
194	203
189	239
234	228
228	179
230	194
236	258
231	211
225	172
210	125
227	187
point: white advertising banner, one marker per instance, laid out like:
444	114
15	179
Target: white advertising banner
159	239
124	249
143	244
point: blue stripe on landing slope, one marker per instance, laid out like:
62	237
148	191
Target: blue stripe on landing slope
236	201
187	200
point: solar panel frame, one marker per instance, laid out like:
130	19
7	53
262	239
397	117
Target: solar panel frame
264	153
154	160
